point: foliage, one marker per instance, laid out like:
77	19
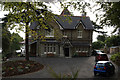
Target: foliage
25	13
97	27
100	42
101	38
113	41
97	45
6	44
116	58
60	76
112	14
10	42
15	39
75	54
6	35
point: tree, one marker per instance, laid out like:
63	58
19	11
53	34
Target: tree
6	35
10	42
113	41
97	45
24	13
111	16
101	37
15	39
100	41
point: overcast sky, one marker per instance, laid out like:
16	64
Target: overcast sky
56	8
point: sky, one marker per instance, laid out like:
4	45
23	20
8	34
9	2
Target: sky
56	8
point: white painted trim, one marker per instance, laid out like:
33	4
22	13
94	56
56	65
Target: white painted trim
78	24
82	51
59	25
83	25
49	36
49	52
79	37
64	36
79	32
45	52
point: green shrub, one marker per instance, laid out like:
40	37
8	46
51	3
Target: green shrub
115	57
75	54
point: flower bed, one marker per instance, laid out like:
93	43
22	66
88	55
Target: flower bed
11	68
50	55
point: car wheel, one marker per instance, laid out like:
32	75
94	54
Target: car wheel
95	74
113	72
107	74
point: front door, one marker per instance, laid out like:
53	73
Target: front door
66	52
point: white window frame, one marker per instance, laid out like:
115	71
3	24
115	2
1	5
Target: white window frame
64	34
49	49
49	34
80	49
79	34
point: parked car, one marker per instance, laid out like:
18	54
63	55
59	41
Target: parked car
0	50
20	52
101	57
95	52
104	67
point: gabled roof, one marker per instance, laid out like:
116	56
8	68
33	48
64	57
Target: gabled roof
65	12
70	22
34	25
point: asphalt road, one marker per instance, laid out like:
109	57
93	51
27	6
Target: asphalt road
85	65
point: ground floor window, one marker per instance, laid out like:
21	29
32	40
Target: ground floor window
81	49
49	48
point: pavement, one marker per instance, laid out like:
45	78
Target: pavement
85	65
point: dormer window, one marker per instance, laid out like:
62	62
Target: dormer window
79	34
49	33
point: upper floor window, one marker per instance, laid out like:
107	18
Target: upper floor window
49	33
79	34
64	34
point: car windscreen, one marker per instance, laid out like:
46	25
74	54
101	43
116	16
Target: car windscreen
104	55
100	64
98	51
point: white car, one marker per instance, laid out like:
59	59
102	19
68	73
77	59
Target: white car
21	52
0	50
18	51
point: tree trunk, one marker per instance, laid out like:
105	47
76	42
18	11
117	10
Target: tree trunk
27	43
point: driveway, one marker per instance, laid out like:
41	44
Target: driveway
85	66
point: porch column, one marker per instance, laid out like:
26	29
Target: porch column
70	52
61	51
